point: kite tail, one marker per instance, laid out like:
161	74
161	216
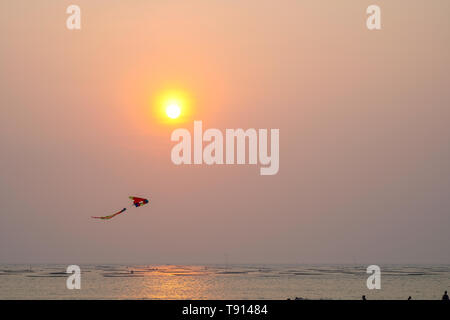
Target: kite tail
110	216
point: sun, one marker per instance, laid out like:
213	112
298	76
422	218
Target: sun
172	106
173	110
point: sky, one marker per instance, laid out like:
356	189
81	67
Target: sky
363	117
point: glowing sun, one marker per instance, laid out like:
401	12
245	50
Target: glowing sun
173	110
172	106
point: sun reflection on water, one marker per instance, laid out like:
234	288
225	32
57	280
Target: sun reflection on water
170	282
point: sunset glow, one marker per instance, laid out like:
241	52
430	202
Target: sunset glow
225	156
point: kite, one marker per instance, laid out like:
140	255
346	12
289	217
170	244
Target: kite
137	202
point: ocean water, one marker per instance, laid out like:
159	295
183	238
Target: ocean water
223	282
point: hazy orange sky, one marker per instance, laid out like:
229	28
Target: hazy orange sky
363	118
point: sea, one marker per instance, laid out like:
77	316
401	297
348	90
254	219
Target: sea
171	282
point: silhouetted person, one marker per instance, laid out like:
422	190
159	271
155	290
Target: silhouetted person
445	296
364	297
409	298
